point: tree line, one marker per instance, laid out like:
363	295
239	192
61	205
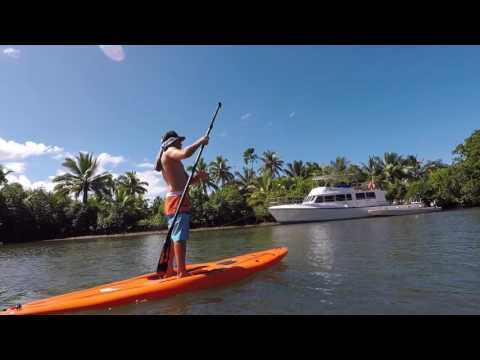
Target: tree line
86	202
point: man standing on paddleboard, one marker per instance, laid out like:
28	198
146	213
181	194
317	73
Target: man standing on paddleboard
169	162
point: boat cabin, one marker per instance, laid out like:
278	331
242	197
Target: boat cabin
345	196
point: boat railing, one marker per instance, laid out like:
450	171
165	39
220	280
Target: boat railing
285	200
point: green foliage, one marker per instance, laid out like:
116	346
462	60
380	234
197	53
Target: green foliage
18	223
109	206
83	178
296	169
266	190
82	218
467	168
219	171
131	184
202	215
3	175
228	206
249	157
207	184
272	164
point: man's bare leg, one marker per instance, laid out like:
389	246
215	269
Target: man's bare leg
170	271
180	253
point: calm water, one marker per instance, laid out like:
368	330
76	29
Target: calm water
417	264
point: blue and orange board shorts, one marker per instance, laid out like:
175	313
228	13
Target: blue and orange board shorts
181	228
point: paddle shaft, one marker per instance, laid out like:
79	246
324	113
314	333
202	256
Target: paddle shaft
164	255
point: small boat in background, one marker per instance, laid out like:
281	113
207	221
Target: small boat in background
396	210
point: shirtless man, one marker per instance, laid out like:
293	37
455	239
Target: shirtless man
169	163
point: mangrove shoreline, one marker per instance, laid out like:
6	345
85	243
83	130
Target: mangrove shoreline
162	232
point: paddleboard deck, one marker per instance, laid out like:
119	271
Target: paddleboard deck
151	286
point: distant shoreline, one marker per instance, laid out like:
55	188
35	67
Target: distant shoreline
161	232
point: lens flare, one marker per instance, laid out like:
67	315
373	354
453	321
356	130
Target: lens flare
114	52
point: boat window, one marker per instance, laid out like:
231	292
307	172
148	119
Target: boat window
329	198
319	199
340	197
349	196
360	196
370	195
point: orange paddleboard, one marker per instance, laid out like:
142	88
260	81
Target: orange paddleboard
150	286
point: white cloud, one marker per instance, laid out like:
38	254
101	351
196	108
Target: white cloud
156	184
47	185
11	150
63	155
245	116
292	114
17	167
146	165
114	52
11	52
21	179
27	184
105	160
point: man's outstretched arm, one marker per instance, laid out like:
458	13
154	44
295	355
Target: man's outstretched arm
181	154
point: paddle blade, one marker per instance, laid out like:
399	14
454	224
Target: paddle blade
164	257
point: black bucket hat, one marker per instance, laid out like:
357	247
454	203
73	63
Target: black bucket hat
169	138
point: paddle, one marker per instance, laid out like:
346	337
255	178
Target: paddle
164	255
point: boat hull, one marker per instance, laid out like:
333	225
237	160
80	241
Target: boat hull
402	210
293	215
299	214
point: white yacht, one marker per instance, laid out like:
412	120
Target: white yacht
335	203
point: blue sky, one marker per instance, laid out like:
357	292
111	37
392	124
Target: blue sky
309	103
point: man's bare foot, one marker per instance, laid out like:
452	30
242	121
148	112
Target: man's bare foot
169	274
183	274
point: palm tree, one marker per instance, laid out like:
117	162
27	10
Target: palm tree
123	196
264	189
249	157
432	165
83	178
202	166
337	171
411	167
271	164
355	175
220	171
157	205
339	166
392	167
296	169
246	180
313	168
132	184
3	175
373	169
